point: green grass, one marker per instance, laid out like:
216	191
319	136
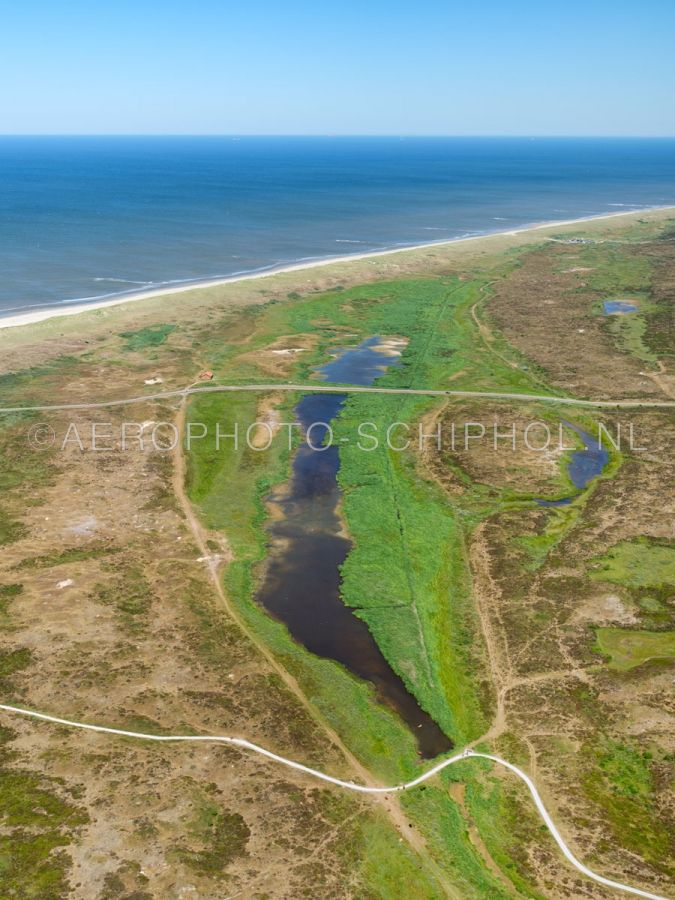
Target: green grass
629	332
388	865
407	574
507	824
145	338
639	563
627	649
445	831
626	770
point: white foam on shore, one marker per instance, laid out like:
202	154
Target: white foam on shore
123	280
80	305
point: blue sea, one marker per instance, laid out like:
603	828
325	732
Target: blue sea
89	217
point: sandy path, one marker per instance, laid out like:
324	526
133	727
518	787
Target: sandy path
319	388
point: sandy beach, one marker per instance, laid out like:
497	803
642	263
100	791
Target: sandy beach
74	308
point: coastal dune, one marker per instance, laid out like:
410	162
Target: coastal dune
70	309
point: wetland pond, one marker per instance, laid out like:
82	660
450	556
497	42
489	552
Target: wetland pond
584	465
307	545
621	307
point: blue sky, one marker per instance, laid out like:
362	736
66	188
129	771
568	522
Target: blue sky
368	67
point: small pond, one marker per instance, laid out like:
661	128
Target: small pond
614	307
584	465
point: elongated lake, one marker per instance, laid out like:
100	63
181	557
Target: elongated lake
307	546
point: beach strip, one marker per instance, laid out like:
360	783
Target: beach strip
74	308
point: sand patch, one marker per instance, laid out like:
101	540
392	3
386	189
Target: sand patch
605	609
392	346
278	358
268	421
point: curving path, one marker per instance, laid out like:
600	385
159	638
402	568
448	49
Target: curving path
319	388
350	785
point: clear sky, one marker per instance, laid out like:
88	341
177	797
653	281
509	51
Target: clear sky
346	67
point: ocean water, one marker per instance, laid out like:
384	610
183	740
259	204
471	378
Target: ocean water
87	217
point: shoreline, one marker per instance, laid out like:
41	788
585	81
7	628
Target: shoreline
18	319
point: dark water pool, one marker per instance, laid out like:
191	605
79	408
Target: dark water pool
565	501
307	546
584	465
362	364
618	306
